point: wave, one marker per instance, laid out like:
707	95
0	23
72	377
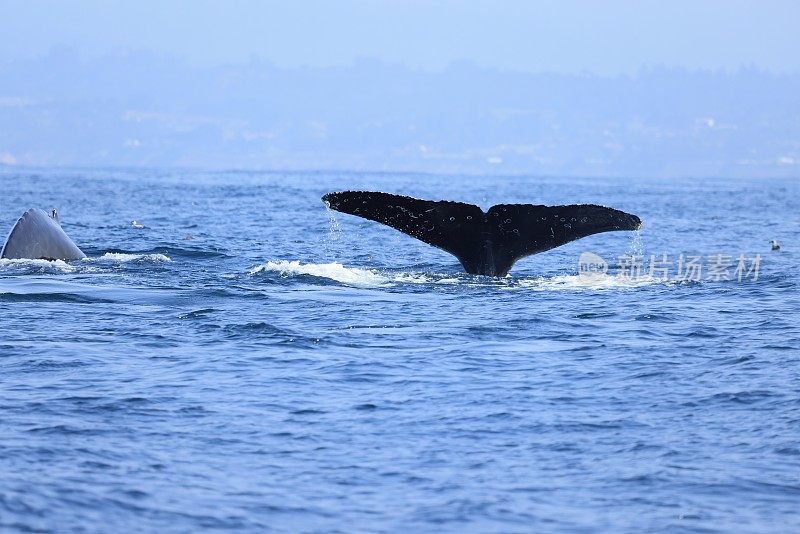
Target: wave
71	298
194	252
373	278
124	257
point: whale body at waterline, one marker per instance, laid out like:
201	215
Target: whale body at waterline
486	243
39	236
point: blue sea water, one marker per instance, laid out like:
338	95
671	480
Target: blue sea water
292	369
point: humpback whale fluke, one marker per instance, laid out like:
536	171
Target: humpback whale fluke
38	235
489	242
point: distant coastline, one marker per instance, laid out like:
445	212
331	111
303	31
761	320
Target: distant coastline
146	110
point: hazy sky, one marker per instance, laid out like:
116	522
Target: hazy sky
605	37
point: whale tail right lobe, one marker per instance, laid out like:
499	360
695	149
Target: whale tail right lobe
487	243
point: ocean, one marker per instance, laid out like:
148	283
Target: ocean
233	355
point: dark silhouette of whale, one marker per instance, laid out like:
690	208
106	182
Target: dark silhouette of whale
486	243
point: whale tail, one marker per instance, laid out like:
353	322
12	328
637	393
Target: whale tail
38	235
487	243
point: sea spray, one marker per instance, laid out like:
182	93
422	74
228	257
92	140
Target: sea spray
636	246
333	235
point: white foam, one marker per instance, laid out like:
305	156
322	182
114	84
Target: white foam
369	277
333	271
122	257
53	265
584	282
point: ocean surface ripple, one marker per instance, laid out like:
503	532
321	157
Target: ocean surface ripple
232	355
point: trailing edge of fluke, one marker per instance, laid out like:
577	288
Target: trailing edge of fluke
486	243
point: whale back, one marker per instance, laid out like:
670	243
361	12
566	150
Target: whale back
37	235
